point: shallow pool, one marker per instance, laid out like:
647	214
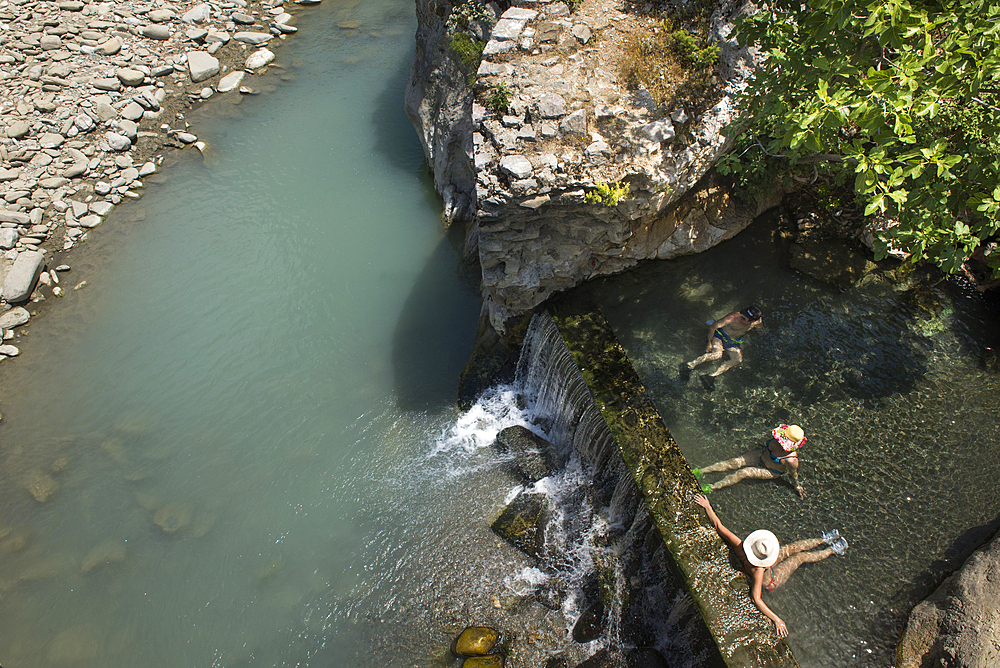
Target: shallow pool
896	390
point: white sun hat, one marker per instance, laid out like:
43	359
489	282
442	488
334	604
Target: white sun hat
761	548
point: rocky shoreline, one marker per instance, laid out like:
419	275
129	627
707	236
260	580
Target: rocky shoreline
91	95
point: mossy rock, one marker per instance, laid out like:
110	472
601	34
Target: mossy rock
535	457
522	523
493	361
475	641
492	661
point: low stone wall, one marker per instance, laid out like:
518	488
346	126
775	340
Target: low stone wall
958	626
742	634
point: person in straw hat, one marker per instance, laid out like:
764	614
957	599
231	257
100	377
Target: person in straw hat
778	457
767	564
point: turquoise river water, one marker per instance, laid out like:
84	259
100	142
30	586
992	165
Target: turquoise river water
248	409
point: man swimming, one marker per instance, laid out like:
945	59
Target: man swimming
725	335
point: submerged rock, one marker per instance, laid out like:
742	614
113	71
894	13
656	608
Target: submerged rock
522	523
491	661
74	645
475	641
109	552
590	624
172	518
42	486
834	262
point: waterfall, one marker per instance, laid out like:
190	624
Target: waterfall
615	557
647	562
561	401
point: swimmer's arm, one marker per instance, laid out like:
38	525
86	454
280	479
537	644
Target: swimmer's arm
726	534
755	588
793	469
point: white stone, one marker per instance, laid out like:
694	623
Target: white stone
658	131
15	317
259	58
51	140
117	142
551	106
197	14
231	81
8	239
520	14
201	65
20	279
254	38
84	122
575	123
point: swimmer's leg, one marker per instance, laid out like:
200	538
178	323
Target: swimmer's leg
714	354
734	358
750	472
746	459
798	546
784	569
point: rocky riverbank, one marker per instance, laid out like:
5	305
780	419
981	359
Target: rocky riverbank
91	95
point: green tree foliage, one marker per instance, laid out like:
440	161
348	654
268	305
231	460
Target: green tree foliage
903	96
461	28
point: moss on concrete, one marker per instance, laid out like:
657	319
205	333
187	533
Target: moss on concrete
743	635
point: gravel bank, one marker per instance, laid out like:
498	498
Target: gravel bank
91	95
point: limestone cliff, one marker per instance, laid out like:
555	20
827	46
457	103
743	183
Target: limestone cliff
571	125
438	101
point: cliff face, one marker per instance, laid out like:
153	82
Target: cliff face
438	101
571	125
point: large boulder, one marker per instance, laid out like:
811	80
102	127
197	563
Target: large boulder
522	523
958	626
20	280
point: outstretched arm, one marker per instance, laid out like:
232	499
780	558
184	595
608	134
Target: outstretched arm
755	588
726	534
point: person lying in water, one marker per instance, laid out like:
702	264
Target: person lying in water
769	565
778	457
724	336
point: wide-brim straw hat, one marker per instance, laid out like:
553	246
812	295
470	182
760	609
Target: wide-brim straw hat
761	548
789	436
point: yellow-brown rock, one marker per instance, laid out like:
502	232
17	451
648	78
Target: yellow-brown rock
475	641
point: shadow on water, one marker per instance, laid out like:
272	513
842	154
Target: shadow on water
435	332
395	136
